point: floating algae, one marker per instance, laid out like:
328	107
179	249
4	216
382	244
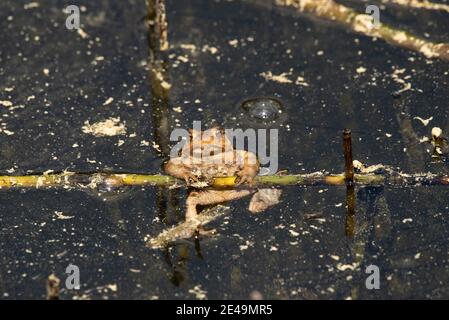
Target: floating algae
185	229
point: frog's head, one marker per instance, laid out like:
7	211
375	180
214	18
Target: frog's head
209	142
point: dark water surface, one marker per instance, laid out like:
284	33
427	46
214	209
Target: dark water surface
58	80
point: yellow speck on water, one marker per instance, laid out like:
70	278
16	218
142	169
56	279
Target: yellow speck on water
108	101
112	287
46	72
31	5
61	216
233	43
293	233
344	267
6	103
425	122
156	146
361	70
188	46
82	34
207	48
183	59
7	132
300	81
199	293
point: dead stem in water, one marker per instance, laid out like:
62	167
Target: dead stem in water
363	23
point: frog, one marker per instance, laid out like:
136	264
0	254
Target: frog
210	154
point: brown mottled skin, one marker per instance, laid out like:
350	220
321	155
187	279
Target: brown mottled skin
218	159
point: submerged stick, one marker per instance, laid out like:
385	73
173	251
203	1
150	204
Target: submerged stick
157	20
349	166
114	180
349	177
363	23
350	211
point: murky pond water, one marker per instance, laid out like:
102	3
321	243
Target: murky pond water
222	54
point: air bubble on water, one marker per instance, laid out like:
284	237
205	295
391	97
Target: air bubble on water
266	109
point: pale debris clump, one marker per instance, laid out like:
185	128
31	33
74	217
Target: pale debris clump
205	48
367	170
233	43
82	33
344	267
31	5
360	70
300	81
109	127
211	50
398	78
108	101
425	122
6	131
283	78
6	103
188	46
199	293
61	216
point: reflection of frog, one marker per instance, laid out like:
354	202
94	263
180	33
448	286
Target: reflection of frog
210	154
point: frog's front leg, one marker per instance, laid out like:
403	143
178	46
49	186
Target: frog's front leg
208	197
176	168
248	166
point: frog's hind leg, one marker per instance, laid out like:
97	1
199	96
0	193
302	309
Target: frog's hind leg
208	197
